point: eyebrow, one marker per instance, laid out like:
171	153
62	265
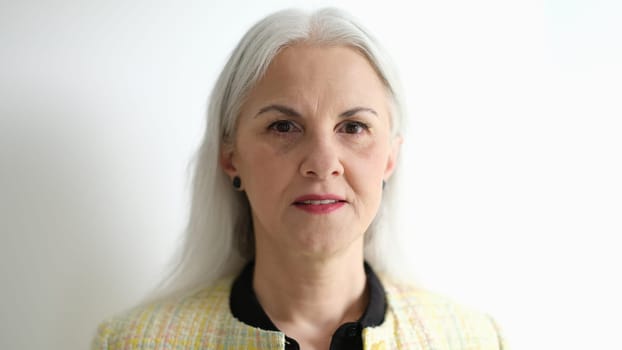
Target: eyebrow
279	108
352	111
288	111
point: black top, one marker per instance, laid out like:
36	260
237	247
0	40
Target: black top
246	308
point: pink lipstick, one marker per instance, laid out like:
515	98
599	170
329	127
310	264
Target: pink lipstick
319	204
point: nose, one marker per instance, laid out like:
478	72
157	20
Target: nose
321	158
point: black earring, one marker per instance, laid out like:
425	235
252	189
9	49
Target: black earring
384	183
237	183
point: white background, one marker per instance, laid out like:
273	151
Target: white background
513	155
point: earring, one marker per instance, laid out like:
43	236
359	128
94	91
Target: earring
384	183
237	182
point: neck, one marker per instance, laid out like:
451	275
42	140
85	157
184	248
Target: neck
309	295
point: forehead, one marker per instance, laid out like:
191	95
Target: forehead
320	73
306	60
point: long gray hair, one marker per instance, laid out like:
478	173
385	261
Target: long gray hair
219	237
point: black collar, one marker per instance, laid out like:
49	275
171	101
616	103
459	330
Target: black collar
246	308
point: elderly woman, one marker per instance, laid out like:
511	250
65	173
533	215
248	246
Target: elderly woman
301	142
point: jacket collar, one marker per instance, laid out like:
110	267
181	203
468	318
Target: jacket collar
246	308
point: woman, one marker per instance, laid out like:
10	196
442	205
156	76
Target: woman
302	141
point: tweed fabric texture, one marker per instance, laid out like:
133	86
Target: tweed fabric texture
415	319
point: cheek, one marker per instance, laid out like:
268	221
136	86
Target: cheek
265	175
261	166
371	160
366	172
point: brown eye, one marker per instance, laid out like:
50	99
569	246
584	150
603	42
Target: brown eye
283	126
354	127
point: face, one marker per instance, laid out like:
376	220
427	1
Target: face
312	146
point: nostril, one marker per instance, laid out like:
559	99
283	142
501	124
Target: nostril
320	165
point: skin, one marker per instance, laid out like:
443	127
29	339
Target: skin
318	122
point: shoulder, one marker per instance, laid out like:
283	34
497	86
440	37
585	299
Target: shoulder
184	321
439	320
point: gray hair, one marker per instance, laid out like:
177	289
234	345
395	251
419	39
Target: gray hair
219	238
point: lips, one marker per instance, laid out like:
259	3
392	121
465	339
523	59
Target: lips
318	199
319	204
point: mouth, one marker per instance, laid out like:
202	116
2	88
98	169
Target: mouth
319	204
318	201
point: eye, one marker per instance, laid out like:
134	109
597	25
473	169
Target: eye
353	127
283	126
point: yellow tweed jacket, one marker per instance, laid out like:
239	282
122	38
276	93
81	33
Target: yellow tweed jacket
415	319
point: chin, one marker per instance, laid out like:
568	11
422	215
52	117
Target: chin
328	243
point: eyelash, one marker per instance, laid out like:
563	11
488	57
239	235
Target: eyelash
274	126
361	125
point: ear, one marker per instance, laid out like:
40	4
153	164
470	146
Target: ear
396	144
227	161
